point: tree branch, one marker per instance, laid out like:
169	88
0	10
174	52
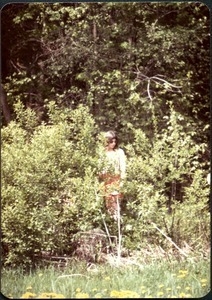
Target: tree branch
148	90
157	79
169	239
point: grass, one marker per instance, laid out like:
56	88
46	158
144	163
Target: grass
162	279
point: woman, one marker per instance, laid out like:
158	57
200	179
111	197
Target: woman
113	173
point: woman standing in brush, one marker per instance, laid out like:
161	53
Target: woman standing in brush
113	173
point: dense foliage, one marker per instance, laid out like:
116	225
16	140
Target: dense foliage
73	70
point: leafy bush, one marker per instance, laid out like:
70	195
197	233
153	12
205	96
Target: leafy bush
51	192
166	187
49	184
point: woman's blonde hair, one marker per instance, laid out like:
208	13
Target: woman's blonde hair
110	135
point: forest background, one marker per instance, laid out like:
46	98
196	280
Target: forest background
71	71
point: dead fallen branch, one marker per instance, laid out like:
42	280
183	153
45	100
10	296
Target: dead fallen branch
169	239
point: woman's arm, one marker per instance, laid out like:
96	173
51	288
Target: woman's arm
122	162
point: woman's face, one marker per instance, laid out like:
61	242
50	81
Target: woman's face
111	144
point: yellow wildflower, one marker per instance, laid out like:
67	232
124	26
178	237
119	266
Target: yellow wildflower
78	290
50	296
107	278
29	288
28	295
60	296
82	295
181	276
124	294
160	293
204	280
183	271
182	295
160	286
43	296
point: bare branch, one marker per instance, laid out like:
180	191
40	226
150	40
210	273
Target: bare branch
158	80
148	90
168	83
169	239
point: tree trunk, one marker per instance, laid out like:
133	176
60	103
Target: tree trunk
4	105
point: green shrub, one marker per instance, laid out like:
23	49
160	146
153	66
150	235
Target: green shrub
166	186
51	192
49	184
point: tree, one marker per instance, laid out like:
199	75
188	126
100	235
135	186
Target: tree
4	105
103	55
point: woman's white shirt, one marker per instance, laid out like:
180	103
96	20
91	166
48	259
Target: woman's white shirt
117	161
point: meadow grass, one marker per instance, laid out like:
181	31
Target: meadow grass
162	279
